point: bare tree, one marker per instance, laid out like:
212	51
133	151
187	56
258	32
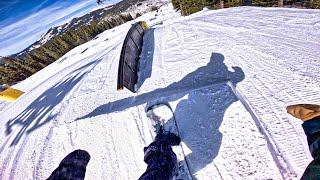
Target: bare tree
280	3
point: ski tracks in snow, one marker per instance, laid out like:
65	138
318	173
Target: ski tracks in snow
269	96
232	120
271	84
181	47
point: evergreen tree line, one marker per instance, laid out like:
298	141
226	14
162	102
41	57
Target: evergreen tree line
188	7
15	69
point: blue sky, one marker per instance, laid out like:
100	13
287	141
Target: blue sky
22	22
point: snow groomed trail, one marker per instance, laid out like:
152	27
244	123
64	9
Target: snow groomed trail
228	74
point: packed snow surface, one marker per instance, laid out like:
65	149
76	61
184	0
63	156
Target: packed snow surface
228	74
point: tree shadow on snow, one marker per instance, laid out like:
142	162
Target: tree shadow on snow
40	111
206	97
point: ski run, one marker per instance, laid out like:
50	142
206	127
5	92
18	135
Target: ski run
228	75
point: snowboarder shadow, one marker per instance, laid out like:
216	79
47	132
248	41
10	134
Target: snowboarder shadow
201	111
199	117
205	98
214	73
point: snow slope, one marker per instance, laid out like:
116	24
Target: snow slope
228	74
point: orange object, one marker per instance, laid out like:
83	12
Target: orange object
10	94
304	111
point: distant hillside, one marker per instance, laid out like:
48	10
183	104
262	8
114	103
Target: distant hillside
87	19
61	39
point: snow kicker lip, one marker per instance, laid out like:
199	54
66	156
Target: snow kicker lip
130	56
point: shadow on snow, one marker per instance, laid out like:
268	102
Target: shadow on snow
146	60
200	114
214	72
39	112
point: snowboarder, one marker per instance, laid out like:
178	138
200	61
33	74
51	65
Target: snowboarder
73	166
159	156
310	114
99	2
162	161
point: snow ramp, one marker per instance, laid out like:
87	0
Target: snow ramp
227	74
130	55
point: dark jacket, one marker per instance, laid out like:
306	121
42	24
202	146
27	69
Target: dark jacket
312	130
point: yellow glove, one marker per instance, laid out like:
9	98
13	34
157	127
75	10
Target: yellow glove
304	112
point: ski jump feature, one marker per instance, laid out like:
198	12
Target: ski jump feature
130	56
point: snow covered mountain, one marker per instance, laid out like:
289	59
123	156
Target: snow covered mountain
228	74
87	19
60	40
23	22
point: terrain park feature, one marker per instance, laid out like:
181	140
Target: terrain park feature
130	56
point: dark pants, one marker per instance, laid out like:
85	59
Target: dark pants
159	156
161	161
